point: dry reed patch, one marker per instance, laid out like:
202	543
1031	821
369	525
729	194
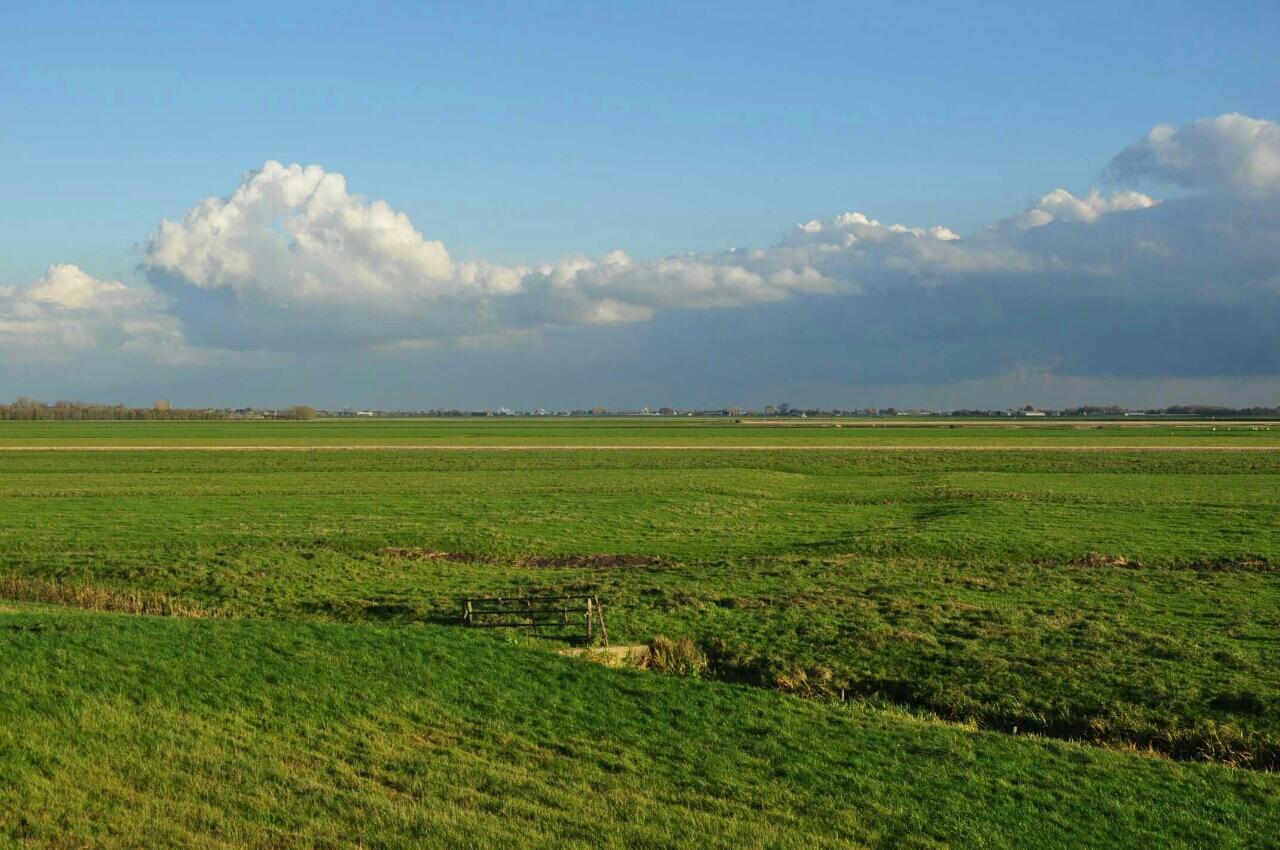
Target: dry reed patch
89	597
680	657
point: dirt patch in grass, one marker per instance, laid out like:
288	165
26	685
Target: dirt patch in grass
1209	565
598	560
1100	559
626	655
592	561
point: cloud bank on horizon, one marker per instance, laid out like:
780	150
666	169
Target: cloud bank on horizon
1103	284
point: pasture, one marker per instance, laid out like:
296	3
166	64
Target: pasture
901	625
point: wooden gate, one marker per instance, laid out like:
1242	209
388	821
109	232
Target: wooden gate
578	619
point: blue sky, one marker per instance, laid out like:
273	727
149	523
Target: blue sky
527	133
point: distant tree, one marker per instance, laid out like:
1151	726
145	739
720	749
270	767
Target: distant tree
302	412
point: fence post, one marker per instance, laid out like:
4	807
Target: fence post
604	633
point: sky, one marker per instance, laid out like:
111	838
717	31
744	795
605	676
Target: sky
690	204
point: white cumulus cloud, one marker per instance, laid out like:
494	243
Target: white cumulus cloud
1232	151
68	312
293	260
1061	205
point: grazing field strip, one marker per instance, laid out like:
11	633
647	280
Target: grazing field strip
1124	598
638	447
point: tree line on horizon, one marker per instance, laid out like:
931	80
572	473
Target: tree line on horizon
30	410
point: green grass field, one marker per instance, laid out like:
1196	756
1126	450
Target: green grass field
884	628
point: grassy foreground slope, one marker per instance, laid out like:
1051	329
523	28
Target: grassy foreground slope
958	583
147	732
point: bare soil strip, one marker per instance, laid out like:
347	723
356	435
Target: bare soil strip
1007	447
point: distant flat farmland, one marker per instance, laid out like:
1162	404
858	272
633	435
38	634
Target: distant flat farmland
640	432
